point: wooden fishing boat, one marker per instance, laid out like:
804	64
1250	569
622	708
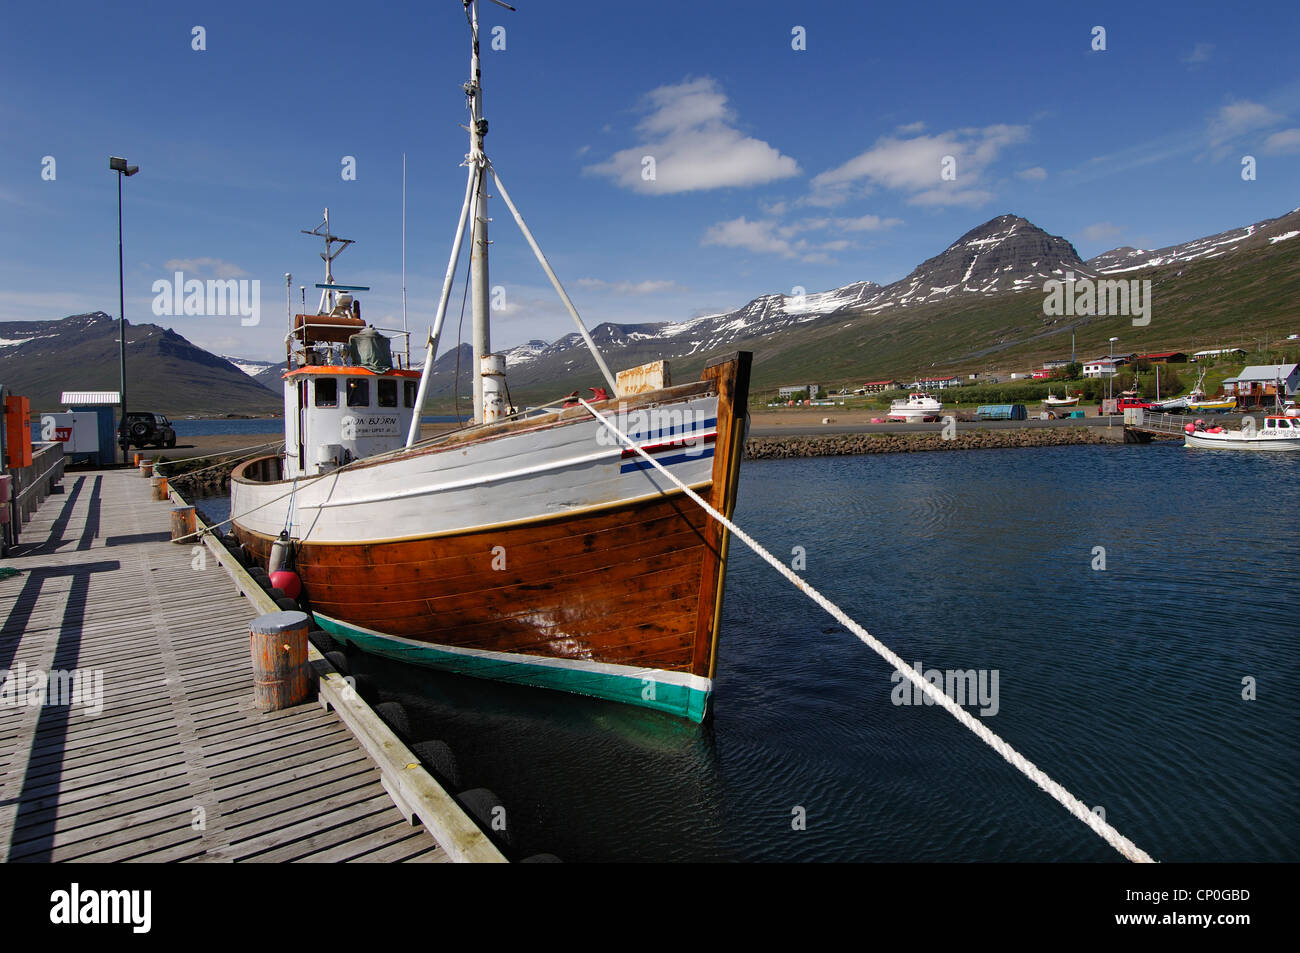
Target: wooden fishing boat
533	547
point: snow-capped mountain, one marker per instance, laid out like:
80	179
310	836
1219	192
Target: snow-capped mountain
1004	256
251	368
1007	253
1268	232
166	373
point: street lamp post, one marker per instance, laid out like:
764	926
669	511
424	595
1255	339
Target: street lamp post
119	166
1110	380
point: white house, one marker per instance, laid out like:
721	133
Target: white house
936	383
1102	367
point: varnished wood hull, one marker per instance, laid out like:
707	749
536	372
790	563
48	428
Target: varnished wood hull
618	599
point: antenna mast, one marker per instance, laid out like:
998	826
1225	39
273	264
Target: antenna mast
328	255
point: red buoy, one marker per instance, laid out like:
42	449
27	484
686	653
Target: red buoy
287	581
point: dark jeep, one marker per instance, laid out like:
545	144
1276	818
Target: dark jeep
143	429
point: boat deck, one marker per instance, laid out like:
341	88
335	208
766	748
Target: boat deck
178	765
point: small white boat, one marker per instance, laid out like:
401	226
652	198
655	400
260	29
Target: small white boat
1277	433
1051	401
918	406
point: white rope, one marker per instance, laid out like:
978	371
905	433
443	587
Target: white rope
1071	803
261	448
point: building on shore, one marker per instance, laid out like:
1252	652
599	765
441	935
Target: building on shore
1257	385
798	390
936	383
879	387
1164	357
1216	352
1104	366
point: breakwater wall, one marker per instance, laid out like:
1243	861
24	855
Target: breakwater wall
838	445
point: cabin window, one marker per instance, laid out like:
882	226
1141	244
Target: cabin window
358	393
409	388
327	392
387	393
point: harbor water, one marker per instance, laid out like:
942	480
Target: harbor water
1128	614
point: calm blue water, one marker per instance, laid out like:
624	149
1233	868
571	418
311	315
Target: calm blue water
1125	684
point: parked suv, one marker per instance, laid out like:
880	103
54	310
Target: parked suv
144	429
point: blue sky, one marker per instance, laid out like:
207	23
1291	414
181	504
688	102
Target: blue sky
775	167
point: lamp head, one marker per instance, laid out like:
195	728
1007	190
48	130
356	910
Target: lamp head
118	164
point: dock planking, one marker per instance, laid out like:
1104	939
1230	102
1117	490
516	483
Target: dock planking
178	766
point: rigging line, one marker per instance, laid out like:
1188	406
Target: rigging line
460	327
1071	803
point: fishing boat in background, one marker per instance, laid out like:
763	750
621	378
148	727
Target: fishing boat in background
530	547
1276	433
1196	402
916	407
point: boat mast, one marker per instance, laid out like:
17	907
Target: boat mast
327	300
406	334
482	336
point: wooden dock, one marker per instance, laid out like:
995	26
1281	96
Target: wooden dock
178	765
1143	426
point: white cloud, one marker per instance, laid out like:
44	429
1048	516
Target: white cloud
910	129
914	166
1288	140
691	135
1035	174
206	266
754	236
772	237
866	223
1101	231
1200	54
650	286
1237	118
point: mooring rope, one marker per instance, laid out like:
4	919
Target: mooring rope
1071	803
259	449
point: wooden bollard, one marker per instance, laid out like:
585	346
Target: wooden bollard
278	645
158	488
146	468
183	523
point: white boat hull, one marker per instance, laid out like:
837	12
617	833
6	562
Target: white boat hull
516	478
1235	440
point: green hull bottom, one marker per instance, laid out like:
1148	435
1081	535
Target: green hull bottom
640	687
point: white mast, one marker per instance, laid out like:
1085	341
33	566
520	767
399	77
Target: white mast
405	331
482	335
